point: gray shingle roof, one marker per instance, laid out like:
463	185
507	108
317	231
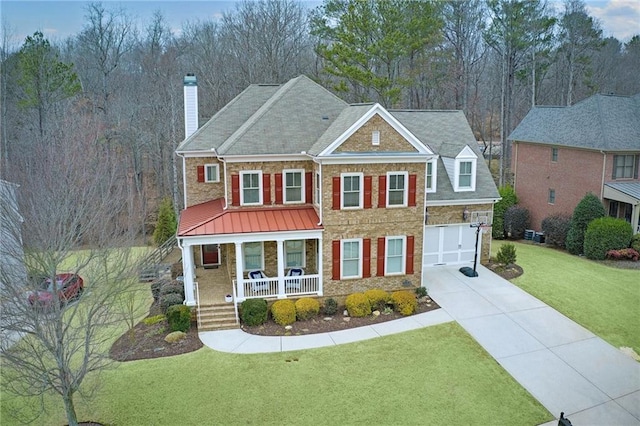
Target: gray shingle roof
602	122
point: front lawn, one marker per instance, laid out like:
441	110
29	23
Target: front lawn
603	299
435	375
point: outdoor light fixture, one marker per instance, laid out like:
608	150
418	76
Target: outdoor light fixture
465	214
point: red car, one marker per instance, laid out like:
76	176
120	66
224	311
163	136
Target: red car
69	286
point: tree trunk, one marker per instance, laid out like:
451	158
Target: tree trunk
70	409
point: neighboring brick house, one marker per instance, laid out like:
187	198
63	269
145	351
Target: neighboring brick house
290	177
562	153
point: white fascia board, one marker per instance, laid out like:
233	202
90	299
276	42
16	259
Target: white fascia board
195	154
265	158
374	159
377	109
469	202
251	237
466	152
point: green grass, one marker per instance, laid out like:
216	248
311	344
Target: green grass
435	375
603	299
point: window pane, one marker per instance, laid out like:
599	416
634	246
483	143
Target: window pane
465	180
350	258
294	253
252	256
395	255
429	174
251	188
212	173
351	191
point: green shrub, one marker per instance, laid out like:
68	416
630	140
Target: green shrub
588	209
378	299
307	308
509	199
555	229
404	302
421	292
172	286
167	223
358	305
516	220
330	306
253	311
506	254
284	312
179	318
154	319
604	234
170	299
635	242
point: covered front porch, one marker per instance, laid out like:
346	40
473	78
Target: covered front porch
623	202
249	253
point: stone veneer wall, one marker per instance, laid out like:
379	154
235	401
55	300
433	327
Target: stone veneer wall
200	192
371	223
390	139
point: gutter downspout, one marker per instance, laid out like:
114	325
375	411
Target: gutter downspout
224	163
515	165
604	165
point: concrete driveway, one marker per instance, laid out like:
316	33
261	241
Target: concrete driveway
563	365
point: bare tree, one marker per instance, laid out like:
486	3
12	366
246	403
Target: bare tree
75	221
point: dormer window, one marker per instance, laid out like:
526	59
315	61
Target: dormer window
465	171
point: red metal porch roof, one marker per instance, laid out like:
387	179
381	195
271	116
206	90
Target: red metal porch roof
210	218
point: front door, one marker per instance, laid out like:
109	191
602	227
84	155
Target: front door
211	254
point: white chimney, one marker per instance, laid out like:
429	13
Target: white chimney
190	105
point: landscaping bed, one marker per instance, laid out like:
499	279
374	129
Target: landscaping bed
338	321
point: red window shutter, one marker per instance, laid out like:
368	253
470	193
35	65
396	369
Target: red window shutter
367	192
336	193
308	190
412	190
235	190
278	188
380	271
382	192
410	248
335	266
266	188
366	258
200	173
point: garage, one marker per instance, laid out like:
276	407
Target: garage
449	244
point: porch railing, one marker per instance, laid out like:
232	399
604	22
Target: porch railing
268	287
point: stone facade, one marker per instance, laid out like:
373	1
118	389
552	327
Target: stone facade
390	139
200	192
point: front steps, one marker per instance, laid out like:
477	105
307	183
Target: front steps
218	316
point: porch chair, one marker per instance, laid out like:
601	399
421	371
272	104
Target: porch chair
294	284
258	285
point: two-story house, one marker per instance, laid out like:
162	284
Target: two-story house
290	191
562	153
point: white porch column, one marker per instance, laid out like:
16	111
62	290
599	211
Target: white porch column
281	290
320	266
187	272
239	277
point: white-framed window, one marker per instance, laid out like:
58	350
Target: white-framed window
397	189
552	196
293	186
554	154
211	173
294	253
432	175
352	191
464	174
253	256
350	258
317	187
375	137
465	170
394	262
251	187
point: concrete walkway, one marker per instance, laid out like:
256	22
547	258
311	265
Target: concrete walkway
563	365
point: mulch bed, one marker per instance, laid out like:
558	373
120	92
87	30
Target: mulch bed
508	272
147	341
336	323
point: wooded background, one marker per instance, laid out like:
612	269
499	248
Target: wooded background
116	87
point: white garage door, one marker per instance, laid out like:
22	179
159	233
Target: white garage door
449	245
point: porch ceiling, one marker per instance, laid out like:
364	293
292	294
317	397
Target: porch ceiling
210	219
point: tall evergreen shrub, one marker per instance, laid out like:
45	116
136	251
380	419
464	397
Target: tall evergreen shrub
509	199
588	209
167	222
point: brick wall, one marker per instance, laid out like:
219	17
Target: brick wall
200	192
576	173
